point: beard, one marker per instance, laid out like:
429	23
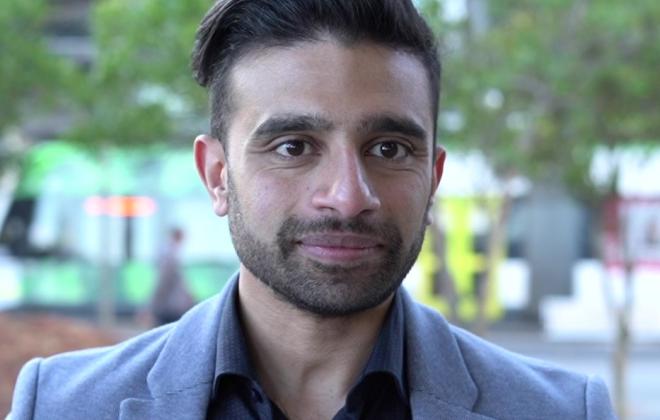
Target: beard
326	290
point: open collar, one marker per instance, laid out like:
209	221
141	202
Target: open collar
181	380
388	355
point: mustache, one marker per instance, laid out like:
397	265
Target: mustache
295	227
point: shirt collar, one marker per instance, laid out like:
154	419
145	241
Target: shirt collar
388	353
232	356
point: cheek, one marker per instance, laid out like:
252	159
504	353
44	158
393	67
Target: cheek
271	200
407	205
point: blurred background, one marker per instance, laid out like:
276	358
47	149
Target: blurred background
546	237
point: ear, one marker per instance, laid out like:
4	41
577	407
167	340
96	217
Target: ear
211	163
437	169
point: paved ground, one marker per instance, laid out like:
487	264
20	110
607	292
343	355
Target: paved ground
594	358
24	336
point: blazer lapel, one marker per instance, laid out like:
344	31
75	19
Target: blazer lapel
440	384
181	379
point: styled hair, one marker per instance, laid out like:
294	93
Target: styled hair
233	28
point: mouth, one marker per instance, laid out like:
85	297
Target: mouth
337	248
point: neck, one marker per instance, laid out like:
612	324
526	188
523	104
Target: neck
306	363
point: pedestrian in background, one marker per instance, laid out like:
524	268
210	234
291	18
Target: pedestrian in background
171	298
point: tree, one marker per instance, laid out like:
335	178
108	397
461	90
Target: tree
31	78
544	83
539	86
139	90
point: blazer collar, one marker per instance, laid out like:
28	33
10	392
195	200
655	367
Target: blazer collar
181	379
440	385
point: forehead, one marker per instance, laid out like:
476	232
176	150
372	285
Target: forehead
342	82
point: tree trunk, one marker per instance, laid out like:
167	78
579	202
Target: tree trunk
623	336
620	308
496	237
443	281
106	291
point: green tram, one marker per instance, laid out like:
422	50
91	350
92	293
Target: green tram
74	217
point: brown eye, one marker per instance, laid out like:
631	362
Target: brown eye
389	150
293	148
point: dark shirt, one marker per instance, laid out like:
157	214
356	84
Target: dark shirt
379	392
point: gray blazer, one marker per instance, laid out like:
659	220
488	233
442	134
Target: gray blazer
167	373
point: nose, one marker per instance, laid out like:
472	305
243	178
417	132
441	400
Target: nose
345	187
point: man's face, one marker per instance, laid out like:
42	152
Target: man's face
327	174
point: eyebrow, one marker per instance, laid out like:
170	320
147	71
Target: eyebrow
279	124
394	124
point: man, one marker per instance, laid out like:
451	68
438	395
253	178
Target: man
322	155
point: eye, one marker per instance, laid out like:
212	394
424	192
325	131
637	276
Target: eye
293	148
389	150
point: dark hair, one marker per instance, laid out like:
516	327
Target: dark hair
232	28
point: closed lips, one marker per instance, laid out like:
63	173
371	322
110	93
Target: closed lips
340	241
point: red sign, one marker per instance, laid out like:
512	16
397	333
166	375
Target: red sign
632	232
120	206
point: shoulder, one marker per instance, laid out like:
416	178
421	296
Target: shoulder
95	382
175	358
504	384
508	380
69	384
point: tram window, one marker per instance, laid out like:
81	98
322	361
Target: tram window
16	226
